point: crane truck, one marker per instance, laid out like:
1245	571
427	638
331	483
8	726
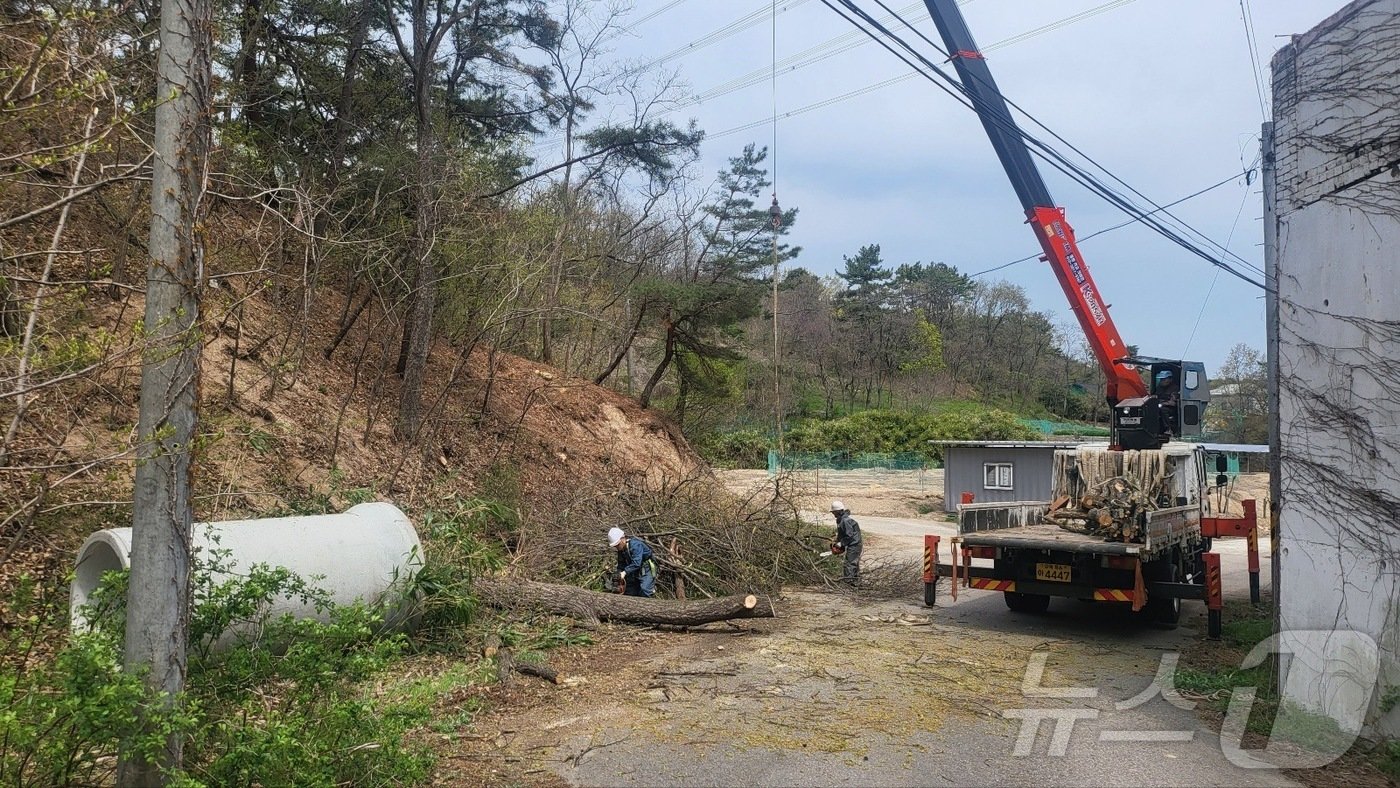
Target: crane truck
1164	554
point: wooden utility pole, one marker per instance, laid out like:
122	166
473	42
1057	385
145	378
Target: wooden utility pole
157	615
1269	174
775	217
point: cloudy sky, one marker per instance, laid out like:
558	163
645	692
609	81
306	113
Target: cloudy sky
1163	93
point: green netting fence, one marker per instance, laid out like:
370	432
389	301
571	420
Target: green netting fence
848	461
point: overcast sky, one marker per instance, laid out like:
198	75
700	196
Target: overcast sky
1161	92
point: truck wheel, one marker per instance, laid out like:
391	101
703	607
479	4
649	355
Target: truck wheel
1027	603
1165	612
930	593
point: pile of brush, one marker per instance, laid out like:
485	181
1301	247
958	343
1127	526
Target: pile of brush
1108	493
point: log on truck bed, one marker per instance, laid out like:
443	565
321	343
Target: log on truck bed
1048	536
1020	524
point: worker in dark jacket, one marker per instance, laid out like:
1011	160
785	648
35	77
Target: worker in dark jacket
847	542
634	565
1168	391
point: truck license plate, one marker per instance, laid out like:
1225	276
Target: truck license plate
1058	573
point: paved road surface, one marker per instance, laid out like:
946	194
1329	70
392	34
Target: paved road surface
850	691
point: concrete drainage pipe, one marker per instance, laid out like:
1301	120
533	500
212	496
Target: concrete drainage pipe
355	556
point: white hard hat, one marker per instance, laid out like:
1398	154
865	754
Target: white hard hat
837	506
614	536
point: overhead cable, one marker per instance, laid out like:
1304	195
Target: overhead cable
1082	238
933	73
1085	178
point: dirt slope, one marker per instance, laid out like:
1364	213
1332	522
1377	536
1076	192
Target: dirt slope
286	429
485	409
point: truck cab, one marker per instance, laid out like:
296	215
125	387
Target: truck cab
1174	406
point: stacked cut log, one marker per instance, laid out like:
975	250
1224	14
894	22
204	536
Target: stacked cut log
1108	493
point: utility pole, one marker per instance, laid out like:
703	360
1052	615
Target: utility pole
1271	353
777	215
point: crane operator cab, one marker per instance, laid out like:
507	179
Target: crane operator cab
1174	407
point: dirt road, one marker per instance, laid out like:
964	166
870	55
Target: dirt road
846	690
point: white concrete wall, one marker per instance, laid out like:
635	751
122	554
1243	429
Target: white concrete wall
1337	207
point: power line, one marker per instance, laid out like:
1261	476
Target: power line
961	94
1248	18
732	28
1206	300
820	52
1121	225
823	51
654	14
818	105
721	33
1089	181
807	57
1050	155
773	89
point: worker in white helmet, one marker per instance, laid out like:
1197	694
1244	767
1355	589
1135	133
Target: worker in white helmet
635	568
847	542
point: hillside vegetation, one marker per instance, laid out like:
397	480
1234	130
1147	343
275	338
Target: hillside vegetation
424	270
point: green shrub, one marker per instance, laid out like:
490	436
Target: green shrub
303	714
61	715
280	702
1387	757
463	539
892	431
737	449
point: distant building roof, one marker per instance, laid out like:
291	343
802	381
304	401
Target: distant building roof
1236	448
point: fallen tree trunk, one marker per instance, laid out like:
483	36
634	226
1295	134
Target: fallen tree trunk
595	606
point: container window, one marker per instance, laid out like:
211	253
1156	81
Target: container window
996	476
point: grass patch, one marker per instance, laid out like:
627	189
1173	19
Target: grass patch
1313	731
442	699
1210	672
1252	627
282	702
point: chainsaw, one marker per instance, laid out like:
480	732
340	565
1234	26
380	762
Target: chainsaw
836	549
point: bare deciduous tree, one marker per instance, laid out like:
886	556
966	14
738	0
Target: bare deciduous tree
157	625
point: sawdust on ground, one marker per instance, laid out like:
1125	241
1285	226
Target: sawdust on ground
829	666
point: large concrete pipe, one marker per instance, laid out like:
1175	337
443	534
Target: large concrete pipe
355	556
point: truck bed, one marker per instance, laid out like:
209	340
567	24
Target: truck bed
1048	536
1021	525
